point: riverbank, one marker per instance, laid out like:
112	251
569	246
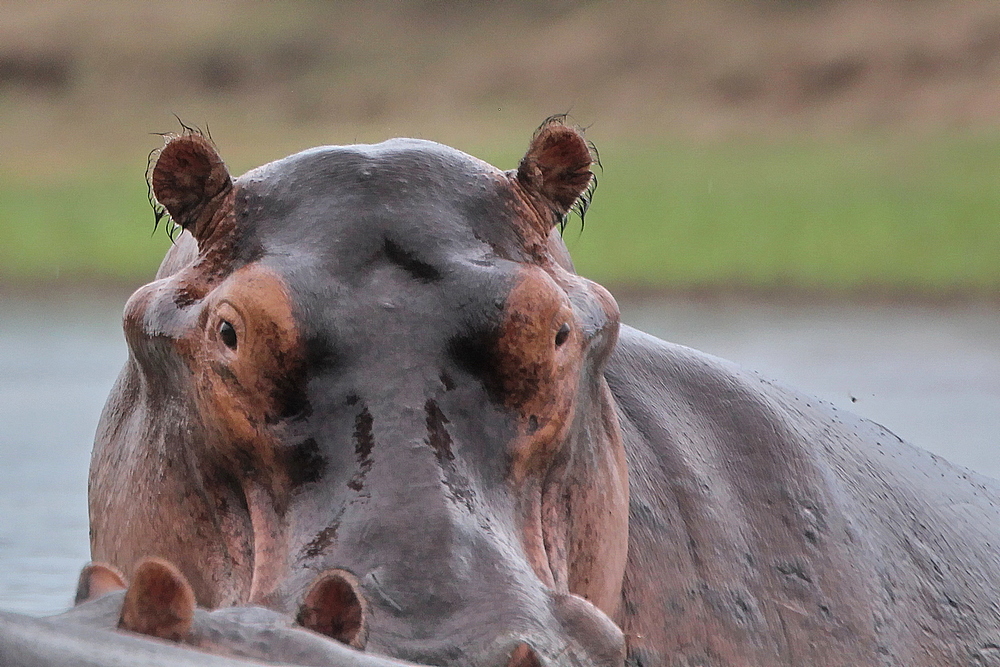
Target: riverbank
877	215
830	148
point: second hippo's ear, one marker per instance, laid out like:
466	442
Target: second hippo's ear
556	168
97	579
159	602
191	182
334	606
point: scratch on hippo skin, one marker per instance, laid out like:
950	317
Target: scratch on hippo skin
364	441
323	539
440	441
437	435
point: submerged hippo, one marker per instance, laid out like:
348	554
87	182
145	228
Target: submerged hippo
159	603
154	623
378	360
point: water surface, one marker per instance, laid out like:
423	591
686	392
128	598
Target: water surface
58	359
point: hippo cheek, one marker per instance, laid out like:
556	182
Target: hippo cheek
568	466
538	360
231	358
246	358
249	382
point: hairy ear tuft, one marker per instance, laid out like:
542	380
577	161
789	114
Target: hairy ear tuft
556	167
159	602
97	579
191	182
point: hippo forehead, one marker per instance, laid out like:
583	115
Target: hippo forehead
346	202
406	237
410	161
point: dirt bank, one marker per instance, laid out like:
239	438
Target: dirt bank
688	67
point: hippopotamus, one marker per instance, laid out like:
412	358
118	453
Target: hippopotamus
109	613
377	361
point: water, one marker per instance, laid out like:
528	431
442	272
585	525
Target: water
58	360
932	375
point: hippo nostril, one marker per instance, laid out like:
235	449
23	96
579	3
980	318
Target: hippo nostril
524	656
333	606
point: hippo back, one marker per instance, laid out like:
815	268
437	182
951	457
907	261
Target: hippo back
768	527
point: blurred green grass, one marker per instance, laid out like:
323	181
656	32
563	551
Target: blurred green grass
864	214
91	226
875	214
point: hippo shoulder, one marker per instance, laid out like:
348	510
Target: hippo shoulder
770	510
667	391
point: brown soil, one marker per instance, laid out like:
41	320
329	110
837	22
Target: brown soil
292	72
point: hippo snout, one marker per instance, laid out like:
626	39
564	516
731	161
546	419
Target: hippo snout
567	631
589	640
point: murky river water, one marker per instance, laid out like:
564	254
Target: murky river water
932	375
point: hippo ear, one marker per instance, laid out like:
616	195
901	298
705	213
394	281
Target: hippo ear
98	579
556	167
334	606
523	656
159	603
191	181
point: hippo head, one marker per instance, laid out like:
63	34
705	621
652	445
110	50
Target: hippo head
374	363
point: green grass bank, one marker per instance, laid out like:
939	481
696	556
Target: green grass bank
865	214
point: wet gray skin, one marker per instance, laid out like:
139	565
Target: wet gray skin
252	633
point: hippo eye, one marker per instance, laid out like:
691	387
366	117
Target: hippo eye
228	334
562	334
